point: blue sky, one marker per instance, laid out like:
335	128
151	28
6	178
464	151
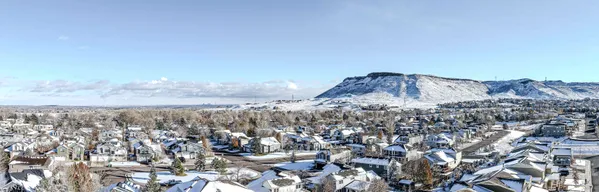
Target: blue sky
189	52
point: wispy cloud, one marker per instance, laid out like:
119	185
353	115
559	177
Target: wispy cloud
84	47
63	38
176	90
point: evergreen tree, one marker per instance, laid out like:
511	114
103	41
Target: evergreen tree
256	145
34	119
220	165
292	158
152	185
177	167
200	164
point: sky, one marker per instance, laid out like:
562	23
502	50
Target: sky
149	52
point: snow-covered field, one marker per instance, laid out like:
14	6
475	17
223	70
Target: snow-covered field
297	166
277	155
504	145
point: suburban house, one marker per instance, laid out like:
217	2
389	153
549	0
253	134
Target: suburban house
21	163
203	185
189	150
553	130
378	165
72	151
343	178
562	156
108	152
286	183
324	157
143	153
267	145
411	139
348	135
240	137
442	140
20	148
316	143
400	153
357	149
444	159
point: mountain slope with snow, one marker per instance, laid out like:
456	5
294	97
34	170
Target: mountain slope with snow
433	89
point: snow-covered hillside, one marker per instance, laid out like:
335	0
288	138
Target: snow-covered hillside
426	91
432	89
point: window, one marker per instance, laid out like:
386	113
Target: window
341	182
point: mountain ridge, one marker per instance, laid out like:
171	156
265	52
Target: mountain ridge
436	89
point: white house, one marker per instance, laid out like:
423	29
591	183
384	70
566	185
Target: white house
287	183
203	185
445	159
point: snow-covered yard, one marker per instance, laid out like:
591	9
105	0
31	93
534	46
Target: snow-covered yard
297	166
528	127
277	155
236	173
163	177
503	145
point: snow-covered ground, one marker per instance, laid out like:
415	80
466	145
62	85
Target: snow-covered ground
528	127
124	164
297	166
163	177
504	145
277	155
236	173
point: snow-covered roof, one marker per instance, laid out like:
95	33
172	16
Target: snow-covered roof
239	134
441	157
562	152
371	161
201	185
269	141
257	186
397	148
326	170
358	185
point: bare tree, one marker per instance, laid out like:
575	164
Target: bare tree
327	184
378	185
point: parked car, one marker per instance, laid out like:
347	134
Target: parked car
171	182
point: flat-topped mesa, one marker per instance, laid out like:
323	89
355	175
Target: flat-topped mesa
384	74
433	89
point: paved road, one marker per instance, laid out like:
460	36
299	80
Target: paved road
494	138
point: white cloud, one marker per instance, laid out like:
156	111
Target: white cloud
63	38
164	91
291	85
84	47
